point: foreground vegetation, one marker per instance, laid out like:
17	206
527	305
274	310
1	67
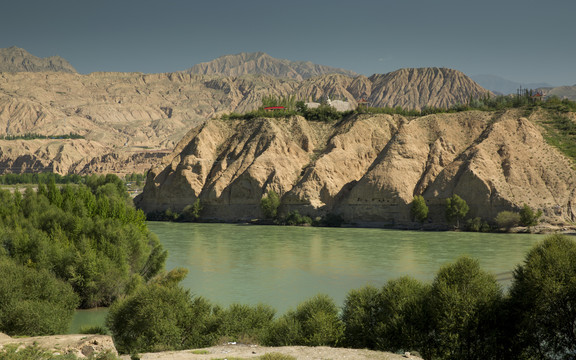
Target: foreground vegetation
462	314
85	245
63	247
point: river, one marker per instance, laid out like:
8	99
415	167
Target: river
282	266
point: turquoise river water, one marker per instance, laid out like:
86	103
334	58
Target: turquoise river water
282	266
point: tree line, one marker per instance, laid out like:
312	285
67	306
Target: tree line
33	136
457	209
327	113
77	245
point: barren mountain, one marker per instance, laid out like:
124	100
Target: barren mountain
259	63
366	168
132	118
563	92
14	59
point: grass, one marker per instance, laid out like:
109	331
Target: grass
268	356
561	133
200	352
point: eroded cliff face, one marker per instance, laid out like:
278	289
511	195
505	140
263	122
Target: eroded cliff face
366	168
131	117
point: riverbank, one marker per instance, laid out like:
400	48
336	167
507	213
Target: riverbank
240	351
80	345
542	228
84	346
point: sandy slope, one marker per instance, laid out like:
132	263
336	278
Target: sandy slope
253	351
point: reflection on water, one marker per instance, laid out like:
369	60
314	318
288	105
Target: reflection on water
282	266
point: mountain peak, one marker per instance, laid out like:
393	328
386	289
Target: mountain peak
261	63
15	59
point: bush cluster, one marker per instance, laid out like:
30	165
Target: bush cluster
462	314
33	302
190	213
88	235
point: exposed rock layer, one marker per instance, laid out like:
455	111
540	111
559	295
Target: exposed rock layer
121	114
366	168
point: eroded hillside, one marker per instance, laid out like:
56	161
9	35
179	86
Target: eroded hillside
129	119
366	168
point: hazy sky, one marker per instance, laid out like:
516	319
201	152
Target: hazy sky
521	40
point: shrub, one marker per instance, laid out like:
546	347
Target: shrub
270	204
477	225
243	322
361	314
319	321
460	306
528	217
419	209
191	212
285	331
33	302
315	322
543	300
456	209
403	323
294	218
160	316
507	220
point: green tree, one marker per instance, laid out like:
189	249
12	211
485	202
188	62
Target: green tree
403	322
456	209
543	300
360	314
33	302
528	217
315	322
160	316
245	323
460	307
507	220
270	204
419	209
191	212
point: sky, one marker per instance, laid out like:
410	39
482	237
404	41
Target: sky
521	40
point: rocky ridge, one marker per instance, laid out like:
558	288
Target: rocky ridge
366	168
260	63
14	59
129	119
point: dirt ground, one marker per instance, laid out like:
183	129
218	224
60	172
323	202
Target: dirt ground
253	351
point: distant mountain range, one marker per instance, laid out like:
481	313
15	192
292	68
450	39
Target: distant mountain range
504	86
259	63
14	59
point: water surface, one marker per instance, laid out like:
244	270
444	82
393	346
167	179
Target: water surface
282	266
